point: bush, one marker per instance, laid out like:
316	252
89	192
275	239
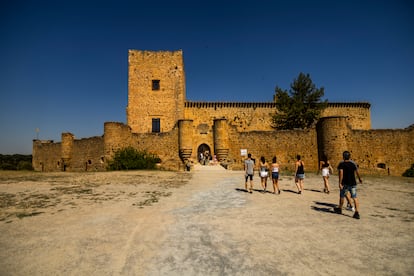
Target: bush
132	159
24	166
409	172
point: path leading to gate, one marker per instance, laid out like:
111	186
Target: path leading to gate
218	229
210	226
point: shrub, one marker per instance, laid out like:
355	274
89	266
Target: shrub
15	162
409	172
132	159
24	165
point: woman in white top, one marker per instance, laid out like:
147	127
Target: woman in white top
264	172
326	168
275	175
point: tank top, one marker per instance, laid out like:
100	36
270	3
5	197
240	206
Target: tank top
325	164
275	169
300	169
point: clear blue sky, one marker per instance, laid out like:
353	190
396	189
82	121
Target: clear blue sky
64	64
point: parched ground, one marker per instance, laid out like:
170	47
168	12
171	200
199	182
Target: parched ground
199	223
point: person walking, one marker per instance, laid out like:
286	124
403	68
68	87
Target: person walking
347	183
326	169
299	173
249	171
275	175
263	172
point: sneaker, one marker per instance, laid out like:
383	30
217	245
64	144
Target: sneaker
356	215
337	210
349	207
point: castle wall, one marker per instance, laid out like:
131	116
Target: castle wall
46	156
69	155
244	116
358	114
88	155
258	116
156	94
388	151
285	145
164	145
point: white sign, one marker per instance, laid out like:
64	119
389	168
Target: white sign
243	152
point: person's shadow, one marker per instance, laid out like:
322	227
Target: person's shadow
324	207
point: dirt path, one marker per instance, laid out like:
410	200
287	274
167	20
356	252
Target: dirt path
155	223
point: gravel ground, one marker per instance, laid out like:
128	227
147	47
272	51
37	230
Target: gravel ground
199	223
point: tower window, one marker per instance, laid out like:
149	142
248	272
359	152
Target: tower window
156	125
155	85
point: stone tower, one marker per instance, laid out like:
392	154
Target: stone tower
332	135
156	90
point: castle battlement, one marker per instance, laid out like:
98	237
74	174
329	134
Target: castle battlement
191	104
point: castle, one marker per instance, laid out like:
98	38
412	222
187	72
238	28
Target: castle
162	121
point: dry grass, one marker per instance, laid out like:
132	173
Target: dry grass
24	194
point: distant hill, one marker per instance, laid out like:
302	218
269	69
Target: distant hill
15	162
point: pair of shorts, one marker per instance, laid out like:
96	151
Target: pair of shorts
300	176
249	176
351	189
264	174
325	172
275	175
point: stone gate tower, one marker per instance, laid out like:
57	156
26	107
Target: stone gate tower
156	90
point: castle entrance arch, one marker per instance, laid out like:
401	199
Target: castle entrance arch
203	154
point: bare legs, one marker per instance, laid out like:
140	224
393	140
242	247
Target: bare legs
299	185
326	184
251	185
264	183
276	185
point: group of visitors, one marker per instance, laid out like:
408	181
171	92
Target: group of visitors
347	169
207	159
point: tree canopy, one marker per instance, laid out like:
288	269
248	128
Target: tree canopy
301	106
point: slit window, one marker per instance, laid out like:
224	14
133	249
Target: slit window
156	125
155	85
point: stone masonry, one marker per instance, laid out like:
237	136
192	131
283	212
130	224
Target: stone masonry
162	121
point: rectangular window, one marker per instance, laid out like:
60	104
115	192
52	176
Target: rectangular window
155	85
156	127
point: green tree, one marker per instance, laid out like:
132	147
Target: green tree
300	107
132	159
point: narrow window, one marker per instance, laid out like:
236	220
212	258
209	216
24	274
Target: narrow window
156	125
155	85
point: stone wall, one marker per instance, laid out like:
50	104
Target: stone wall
165	103
88	154
47	156
244	116
224	128
388	151
164	145
285	145
358	114
69	155
258	116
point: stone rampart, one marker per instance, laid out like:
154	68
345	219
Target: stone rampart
71	155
